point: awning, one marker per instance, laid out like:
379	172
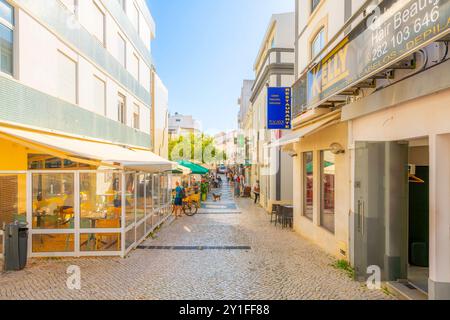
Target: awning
195	168
87	150
306	130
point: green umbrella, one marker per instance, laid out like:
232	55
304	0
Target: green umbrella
195	168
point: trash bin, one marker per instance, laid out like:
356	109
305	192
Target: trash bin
16	246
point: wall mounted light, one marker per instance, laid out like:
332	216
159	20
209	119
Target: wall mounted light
337	148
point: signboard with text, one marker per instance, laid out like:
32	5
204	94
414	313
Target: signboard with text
279	108
393	29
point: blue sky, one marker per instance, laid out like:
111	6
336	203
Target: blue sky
205	48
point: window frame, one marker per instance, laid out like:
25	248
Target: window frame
305	181
137	125
315	6
137	60
75	8
319	35
11	27
120	37
122	112
322	192
62	53
138	18
102	12
105	104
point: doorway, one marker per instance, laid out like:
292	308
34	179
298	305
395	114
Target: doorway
391	211
418	214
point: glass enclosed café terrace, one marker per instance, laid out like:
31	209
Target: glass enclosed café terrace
80	197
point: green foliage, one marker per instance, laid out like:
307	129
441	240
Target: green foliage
195	148
345	266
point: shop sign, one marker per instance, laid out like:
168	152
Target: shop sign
279	108
392	30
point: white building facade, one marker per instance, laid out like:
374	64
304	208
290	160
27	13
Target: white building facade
370	99
160	117
75	114
183	125
274	67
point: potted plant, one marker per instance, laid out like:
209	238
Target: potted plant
204	190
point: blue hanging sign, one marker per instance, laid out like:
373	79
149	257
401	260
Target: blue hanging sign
279	108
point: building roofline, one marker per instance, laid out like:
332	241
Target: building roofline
272	23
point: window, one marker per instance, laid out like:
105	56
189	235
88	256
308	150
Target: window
13	204
134	69
98	24
6	12
6	37
121	50
136	115
67	78
130	199
135	17
140	198
328	183
53	201
99	100
314	4
45	161
100	200
71	5
308	185
318	43
122	4
122	109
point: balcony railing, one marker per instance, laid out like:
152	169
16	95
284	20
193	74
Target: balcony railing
277	61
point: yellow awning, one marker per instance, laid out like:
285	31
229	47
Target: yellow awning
107	154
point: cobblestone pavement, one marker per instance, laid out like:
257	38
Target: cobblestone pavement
279	265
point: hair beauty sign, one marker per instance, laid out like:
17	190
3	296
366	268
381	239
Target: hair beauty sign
392	30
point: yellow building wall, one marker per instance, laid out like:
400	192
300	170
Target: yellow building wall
13	157
338	243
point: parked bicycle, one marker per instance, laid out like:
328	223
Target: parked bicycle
191	205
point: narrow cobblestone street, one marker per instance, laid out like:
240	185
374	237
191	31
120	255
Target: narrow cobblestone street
227	251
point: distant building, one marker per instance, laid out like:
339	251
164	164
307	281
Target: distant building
244	102
273	67
160	117
245	127
227	142
181	125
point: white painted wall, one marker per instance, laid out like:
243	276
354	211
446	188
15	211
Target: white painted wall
182	123
161	114
329	14
37	54
424	117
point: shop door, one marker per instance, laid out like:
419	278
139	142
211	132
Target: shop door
380	217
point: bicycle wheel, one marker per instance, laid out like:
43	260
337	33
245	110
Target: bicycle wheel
188	210
194	208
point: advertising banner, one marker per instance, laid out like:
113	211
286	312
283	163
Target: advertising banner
279	108
392	29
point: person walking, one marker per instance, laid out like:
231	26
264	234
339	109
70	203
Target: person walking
242	182
257	191
237	186
178	202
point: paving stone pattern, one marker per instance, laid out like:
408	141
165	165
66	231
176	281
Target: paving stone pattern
233	255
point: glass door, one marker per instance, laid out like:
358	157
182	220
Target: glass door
380	209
